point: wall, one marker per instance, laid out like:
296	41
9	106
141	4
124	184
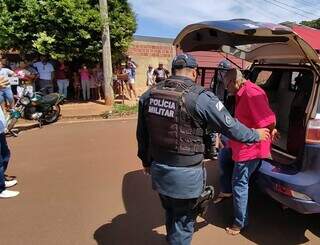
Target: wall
150	51
146	50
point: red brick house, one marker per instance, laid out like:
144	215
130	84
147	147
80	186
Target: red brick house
152	50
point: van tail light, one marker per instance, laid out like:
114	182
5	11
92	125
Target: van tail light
291	193
313	132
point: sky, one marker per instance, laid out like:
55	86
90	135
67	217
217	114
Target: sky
166	18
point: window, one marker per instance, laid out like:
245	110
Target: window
263	77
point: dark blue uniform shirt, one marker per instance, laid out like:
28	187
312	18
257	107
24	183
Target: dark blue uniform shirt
188	182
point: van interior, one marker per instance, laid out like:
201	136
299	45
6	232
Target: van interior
289	91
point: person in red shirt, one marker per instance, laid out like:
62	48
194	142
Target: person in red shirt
62	78
253	110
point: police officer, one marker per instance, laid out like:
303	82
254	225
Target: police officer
173	116
218	88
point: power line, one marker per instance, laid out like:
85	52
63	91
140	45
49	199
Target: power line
253	7
292	11
310	4
294	7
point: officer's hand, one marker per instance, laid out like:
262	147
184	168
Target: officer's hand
146	170
264	133
4	82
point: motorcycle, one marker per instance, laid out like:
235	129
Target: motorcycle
45	108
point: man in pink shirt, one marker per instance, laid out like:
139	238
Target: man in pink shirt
253	110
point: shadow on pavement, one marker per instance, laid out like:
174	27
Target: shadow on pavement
269	224
143	214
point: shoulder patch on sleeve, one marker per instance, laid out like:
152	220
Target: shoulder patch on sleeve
228	120
219	106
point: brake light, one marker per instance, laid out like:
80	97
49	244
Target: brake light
283	190
291	193
313	132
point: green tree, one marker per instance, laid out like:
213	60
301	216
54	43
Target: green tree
312	23
64	28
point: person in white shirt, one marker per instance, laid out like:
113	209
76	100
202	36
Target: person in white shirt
133	66
5	182
46	73
150	76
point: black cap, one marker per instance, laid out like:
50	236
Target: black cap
183	61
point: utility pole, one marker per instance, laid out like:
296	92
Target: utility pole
107	62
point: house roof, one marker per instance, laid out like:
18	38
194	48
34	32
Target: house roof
153	39
310	35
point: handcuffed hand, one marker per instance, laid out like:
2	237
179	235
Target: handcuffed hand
264	133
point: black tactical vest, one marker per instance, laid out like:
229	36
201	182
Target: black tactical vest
175	135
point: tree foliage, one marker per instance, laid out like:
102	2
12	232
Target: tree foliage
64	28
312	23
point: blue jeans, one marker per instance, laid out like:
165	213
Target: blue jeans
240	185
226	168
180	219
63	85
4	159
6	95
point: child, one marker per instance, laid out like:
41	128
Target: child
26	78
130	82
76	85
93	85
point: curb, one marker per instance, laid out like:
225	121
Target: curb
75	119
98	120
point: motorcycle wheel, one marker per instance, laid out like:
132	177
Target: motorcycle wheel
52	115
11	122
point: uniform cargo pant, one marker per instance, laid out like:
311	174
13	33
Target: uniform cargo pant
180	219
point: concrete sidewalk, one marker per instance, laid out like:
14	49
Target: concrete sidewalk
82	109
89	109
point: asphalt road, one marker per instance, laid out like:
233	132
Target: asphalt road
81	183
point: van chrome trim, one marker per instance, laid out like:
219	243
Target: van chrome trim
284	154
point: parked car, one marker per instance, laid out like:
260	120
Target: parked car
288	69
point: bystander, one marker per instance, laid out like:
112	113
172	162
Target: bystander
160	73
150	76
46	74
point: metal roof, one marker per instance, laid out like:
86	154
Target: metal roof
153	39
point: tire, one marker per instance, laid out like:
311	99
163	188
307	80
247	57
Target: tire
11	122
52	115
